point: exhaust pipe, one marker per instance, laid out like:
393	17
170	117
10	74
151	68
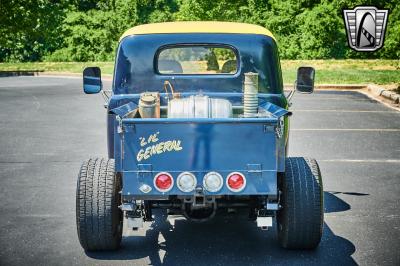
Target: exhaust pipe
250	94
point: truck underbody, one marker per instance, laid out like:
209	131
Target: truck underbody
201	208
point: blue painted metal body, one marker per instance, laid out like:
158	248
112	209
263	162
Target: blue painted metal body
247	145
251	146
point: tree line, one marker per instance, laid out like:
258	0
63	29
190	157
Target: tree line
88	30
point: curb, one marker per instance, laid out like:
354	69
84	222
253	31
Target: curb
387	94
6	73
39	73
67	74
333	86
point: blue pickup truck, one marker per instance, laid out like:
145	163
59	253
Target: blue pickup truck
198	123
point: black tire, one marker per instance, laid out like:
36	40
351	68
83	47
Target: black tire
301	219
98	218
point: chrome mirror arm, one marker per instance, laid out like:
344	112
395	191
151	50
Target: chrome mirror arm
291	93
106	96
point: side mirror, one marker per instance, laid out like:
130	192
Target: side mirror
305	79
92	80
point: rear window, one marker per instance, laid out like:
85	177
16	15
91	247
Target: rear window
197	60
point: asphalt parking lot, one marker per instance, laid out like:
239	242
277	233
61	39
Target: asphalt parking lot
48	127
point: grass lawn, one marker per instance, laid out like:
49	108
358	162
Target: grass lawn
327	71
346	71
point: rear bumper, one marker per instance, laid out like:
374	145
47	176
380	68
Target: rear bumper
263	182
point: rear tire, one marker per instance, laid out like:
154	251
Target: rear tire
98	218
301	219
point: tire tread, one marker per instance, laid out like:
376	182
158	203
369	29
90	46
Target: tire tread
300	222
98	218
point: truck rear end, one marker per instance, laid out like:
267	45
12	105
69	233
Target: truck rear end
197	124
190	164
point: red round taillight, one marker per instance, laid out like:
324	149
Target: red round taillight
236	181
163	182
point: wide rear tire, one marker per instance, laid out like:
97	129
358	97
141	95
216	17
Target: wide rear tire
301	219
98	218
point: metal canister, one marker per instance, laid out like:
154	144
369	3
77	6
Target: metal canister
250	94
149	105
199	106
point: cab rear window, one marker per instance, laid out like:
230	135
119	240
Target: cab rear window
197	60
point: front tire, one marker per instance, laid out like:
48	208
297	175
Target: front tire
300	221
98	218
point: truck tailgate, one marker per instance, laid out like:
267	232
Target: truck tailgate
199	144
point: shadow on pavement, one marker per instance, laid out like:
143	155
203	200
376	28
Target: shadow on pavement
335	204
228	239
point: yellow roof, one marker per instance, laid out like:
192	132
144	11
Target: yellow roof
197	27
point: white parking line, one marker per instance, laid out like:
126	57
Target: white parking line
323	98
343	111
349	129
361	161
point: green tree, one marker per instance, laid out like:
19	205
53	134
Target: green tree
210	10
151	11
80	30
320	33
391	48
29	29
93	35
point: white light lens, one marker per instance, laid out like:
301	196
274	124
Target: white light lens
186	182
145	188
213	182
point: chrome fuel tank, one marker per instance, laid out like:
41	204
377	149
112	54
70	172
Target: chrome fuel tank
199	106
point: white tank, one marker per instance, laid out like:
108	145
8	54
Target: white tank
199	106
